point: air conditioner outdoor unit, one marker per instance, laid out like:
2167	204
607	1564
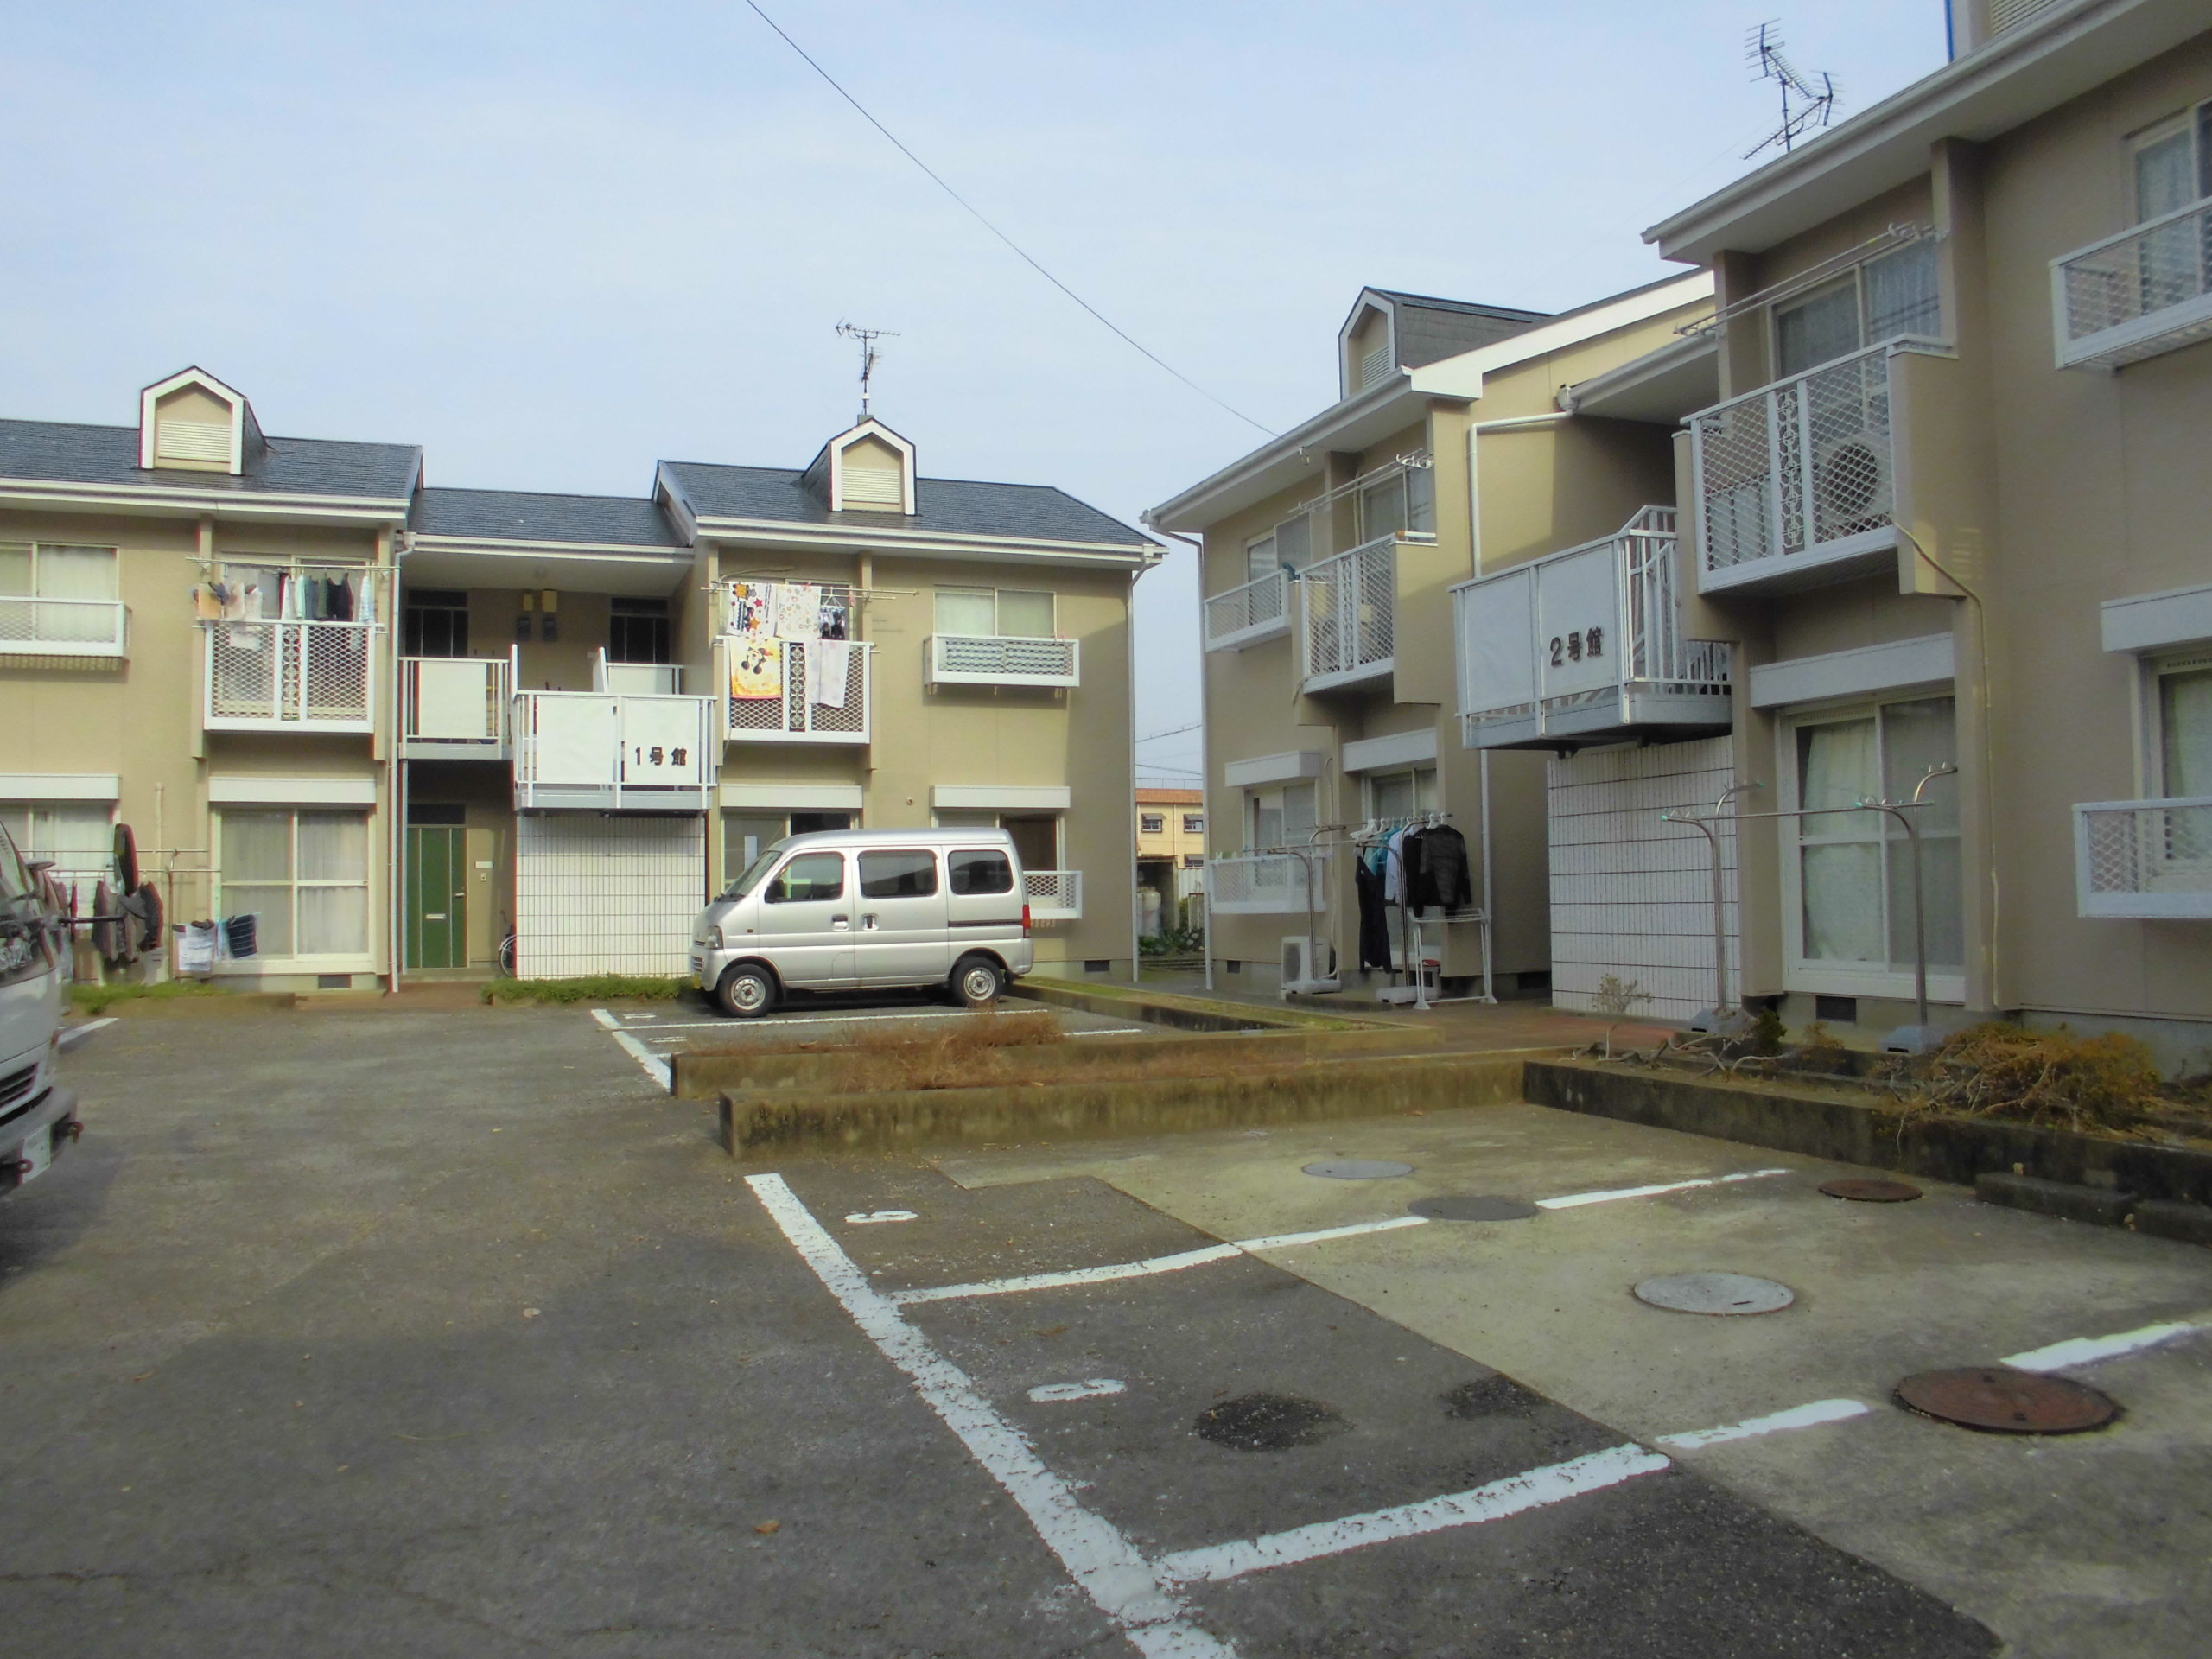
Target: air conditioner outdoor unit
1309	966
1853	487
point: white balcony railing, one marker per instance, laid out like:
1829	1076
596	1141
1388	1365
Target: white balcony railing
1054	895
1000	660
1587	644
2150	858
607	752
637	679
455	707
1245	616
290	676
1349	605
808	703
62	627
2133	296
1797	481
1268	884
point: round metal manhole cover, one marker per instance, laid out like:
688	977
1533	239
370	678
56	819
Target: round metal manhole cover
1480	1206
2000	1401
1863	1190
1715	1292
1268	1422
1357	1169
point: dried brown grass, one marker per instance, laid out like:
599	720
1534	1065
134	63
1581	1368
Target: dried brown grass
2050	1078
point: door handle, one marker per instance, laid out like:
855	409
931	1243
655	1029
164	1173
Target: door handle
867	921
844	922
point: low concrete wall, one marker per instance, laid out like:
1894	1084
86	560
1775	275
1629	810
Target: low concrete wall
757	1125
1184	1013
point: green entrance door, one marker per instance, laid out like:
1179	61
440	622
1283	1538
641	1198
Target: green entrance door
438	897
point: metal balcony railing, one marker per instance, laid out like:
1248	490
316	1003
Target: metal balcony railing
1587	643
1348	604
1800	476
2151	859
62	627
1001	659
638	679
1054	895
809	707
1244	616
2133	296
608	752
1267	884
453	705
290	676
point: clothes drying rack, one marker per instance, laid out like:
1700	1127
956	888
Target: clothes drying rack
1412	925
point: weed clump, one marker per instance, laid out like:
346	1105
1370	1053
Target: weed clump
598	988
2050	1078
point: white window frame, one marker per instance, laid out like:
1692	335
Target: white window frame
83	879
1260	798
1424	782
998	628
1401	477
2152	782
1194	823
1852	279
332	962
1820	976
2193	122
1152	823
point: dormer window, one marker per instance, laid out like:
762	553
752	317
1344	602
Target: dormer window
868	469
192	422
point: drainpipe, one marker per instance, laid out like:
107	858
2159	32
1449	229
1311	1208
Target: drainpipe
395	786
1206	748
1482	764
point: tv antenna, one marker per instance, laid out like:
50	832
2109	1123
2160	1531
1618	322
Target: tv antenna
867	337
1806	107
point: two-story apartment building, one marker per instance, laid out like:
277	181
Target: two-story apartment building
443	731
1171	857
1330	558
1946	510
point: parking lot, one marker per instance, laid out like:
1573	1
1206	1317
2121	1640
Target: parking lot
448	1333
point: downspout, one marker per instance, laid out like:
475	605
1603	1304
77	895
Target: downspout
1482	764
390	551
1205	749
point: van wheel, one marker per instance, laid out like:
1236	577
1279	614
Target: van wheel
747	992
978	981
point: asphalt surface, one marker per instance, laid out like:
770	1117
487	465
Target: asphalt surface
435	1334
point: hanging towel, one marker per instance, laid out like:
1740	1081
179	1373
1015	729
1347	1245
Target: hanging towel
288	598
206	607
828	665
756	668
342	598
748	606
195	948
251	599
799	611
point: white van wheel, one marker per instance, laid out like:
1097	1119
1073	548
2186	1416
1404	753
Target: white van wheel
746	991
978	981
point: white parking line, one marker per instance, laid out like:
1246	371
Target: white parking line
72	1035
2088	1351
1097	1555
1820	1411
1574	1200
650	1063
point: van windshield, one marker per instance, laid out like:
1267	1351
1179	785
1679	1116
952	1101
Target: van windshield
753	872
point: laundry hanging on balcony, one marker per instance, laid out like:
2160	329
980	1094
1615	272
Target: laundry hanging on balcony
801	612
756	668
828	663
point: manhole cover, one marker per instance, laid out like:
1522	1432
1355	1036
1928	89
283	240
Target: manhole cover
1715	1292
2004	1401
1357	1169
1481	1206
1490	1396
1861	1190
1268	1422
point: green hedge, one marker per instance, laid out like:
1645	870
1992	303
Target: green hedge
599	988
96	999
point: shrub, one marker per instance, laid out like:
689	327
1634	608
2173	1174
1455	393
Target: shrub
2041	1077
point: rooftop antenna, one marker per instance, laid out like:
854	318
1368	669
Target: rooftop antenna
867	337
1806	107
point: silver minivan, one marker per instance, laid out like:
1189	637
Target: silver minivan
860	909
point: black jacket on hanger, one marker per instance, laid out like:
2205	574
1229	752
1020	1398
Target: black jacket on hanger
1374	921
1446	883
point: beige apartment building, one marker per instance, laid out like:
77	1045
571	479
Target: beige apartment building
1330	557
1944	508
416	731
1171	858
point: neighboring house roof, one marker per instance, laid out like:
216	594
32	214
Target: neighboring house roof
1428	328
528	516
949	506
62	453
1170	796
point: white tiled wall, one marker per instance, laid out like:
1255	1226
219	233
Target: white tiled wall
600	895
1631	896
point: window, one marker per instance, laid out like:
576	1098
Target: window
636	631
1193	824
304	873
978	872
1284	816
76	837
1401	794
53	591
434	623
2185	718
745	835
1152	823
1881	300
1288	546
995	612
808	878
1194	861
1853	870
2173	163
1036	835
1404	503
898	874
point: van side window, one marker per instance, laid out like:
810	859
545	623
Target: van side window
980	872
809	876
898	875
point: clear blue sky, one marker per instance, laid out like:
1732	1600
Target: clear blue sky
555	242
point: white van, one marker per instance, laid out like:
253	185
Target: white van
38	1117
857	909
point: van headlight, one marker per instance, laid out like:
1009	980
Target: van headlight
714	938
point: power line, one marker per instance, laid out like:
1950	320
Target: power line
1019	250
1175	731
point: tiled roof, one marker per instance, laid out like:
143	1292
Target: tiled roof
1170	796
949	506
526	516
62	453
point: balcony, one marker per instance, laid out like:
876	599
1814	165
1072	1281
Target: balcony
1267	884
1054	895
1797	482
454	708
290	676
2147	859
1585	646
2145	291
62	627
1258	611
638	679
792	699
591	751
1349	606
1000	660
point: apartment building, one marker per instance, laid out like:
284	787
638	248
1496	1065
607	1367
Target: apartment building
447	731
1171	857
1330	557
1946	513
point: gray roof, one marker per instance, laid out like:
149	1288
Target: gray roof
1430	329
949	506
59	451
527	515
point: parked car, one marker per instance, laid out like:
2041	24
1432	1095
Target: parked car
845	909
38	1116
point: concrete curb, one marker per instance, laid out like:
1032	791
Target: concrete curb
1185	1013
